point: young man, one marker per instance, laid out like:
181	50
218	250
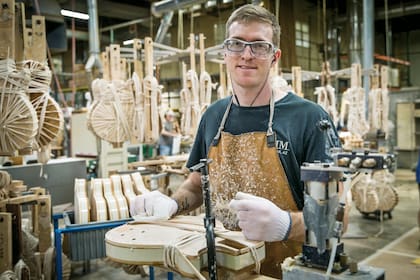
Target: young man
257	139
170	130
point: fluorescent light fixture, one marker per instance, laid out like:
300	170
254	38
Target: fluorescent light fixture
128	42
72	14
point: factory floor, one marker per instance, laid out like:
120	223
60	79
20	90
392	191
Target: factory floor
392	244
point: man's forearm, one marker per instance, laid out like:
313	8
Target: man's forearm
188	196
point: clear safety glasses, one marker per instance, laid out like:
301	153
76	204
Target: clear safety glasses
260	49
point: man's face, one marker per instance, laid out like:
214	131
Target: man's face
247	69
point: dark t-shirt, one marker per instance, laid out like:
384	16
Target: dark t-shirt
296	122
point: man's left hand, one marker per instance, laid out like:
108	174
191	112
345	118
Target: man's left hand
260	219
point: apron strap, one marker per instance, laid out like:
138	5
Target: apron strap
222	124
271	136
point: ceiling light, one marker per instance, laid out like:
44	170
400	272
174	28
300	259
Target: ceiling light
72	14
128	42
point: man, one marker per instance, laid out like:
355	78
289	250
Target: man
170	130
257	139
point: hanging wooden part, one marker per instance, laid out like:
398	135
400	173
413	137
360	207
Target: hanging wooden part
111	114
184	95
139	115
7	29
222	89
106	75
297	80
18	118
375	101
326	94
18	123
50	116
138	66
39	39
385	100
355	98
115	62
20	29
152	96
137	77
190	95
191	106
206	86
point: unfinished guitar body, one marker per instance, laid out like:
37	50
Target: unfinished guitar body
180	244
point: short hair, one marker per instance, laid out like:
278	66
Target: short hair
255	13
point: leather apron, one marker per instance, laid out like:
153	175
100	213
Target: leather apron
249	163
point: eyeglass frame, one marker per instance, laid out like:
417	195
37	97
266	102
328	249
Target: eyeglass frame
250	44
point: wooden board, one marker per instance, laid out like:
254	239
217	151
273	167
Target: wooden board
7	29
27	42
39	39
5	242
20	26
44	222
115	62
105	62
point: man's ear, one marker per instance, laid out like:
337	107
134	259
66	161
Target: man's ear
276	56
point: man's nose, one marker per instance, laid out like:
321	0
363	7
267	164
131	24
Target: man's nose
247	52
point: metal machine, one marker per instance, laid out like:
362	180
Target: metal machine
323	255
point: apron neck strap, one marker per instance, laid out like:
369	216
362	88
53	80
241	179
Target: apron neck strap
222	123
271	136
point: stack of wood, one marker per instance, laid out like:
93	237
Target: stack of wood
23	253
106	199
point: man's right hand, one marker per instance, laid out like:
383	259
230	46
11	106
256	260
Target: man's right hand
153	204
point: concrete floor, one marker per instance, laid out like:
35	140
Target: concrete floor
367	241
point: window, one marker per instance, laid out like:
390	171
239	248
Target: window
302	34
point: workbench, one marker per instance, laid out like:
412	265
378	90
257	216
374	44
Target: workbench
57	177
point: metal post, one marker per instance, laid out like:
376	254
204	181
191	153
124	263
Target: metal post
209	220
368	46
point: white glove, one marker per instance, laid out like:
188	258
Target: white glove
260	219
154	204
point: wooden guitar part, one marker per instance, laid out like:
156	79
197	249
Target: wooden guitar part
81	202
127	185
99	207
139	186
113	212
119	196
180	244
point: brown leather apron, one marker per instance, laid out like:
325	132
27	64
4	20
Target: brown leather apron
249	163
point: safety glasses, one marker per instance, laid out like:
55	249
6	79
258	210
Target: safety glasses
260	49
